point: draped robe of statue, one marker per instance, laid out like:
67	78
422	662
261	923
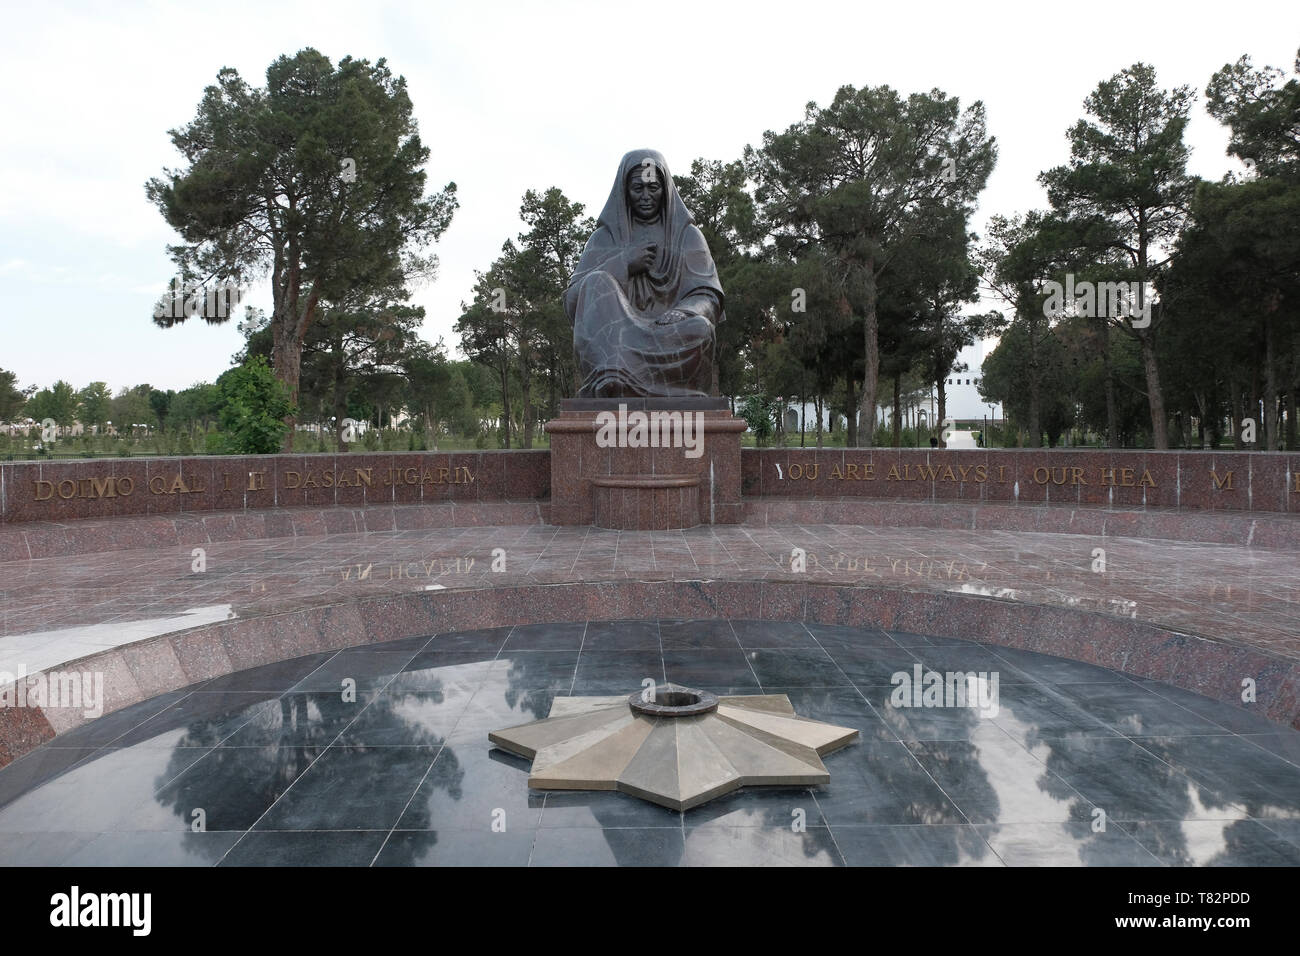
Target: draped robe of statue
649	334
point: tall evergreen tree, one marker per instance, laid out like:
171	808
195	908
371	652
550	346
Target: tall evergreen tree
1126	188
316	179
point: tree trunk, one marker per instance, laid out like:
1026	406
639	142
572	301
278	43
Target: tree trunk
1292	439
871	360
803	413
340	407
942	413
1270	387
526	404
851	423
898	413
1034	439
286	357
1290	419
1234	413
818	410
1108	374
505	399
1155	397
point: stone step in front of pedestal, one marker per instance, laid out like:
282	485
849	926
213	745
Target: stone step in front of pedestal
646	502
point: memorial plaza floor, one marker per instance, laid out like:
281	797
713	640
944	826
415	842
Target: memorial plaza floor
1078	764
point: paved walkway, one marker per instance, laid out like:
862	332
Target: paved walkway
59	609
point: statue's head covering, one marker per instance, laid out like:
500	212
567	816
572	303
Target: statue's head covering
674	216
617	215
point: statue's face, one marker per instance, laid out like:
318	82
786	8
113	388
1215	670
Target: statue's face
645	194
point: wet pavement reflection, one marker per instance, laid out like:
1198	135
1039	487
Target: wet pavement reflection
378	755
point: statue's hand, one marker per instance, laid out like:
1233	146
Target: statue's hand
640	260
672	316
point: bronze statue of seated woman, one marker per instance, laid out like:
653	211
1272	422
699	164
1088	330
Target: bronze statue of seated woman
646	297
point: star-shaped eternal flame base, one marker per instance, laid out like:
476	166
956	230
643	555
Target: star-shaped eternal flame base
679	749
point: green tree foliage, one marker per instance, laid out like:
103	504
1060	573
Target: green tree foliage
58	402
316	178
1024	351
725	212
12	399
864	179
95	404
516	325
254	407
1125	190
199	405
760	412
1262	109
131	409
438	393
1234	288
160	403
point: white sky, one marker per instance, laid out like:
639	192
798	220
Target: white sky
510	97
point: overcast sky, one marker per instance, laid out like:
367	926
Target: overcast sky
510	97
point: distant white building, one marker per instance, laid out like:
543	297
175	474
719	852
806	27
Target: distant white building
960	388
961	397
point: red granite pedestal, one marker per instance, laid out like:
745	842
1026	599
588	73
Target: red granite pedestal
680	470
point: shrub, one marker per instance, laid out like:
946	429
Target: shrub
254	404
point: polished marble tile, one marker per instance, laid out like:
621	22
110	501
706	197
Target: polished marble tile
293	849
608	809
796	667
111	727
954	844
1032	712
1135	711
41	848
184	848
1214	843
1065	844
457	848
870	666
587	846
709	669
544	637
368	671
697	635
201	719
38	768
471	786
1129	782
351	788
606	636
465	642
1264	784
879	782
992	779
772	634
299	718
1058	670
324	777
842	706
716	844
277	677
